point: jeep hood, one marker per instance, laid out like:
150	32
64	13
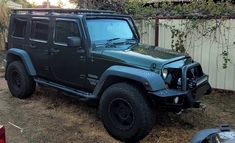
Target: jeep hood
143	56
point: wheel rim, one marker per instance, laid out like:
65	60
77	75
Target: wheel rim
16	80
121	114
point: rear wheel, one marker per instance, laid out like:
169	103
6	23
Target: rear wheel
125	112
20	84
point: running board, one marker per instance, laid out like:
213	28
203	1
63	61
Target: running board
76	92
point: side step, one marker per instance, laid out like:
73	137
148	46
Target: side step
76	92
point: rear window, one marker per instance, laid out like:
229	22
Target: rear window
39	29
19	27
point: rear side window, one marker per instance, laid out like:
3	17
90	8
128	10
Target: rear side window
64	29
39	29
19	27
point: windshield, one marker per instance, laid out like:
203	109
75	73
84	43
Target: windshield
106	29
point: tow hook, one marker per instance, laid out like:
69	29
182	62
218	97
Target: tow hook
203	107
180	112
198	104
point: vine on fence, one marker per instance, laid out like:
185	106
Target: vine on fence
196	24
214	30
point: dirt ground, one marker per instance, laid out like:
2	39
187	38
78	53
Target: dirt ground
51	117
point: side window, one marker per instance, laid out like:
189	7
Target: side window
39	29
19	27
64	29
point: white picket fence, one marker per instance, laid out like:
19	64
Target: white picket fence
206	50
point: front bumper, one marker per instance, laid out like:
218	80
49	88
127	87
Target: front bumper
186	99
177	99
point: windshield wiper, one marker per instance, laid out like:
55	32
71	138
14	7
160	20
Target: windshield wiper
113	39
131	41
112	42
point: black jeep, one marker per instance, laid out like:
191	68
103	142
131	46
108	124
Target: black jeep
97	56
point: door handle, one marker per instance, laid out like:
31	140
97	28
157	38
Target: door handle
54	50
32	46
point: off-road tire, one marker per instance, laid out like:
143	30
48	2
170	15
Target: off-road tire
20	84
142	115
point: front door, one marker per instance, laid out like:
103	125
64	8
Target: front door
67	63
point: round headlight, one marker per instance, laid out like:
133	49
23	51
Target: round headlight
164	73
176	100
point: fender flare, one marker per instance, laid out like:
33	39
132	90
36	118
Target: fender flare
152	79
24	56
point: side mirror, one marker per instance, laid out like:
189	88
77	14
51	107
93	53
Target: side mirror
74	41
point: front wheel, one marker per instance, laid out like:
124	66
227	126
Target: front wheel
125	112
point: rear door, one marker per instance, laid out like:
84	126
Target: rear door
39	45
67	63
